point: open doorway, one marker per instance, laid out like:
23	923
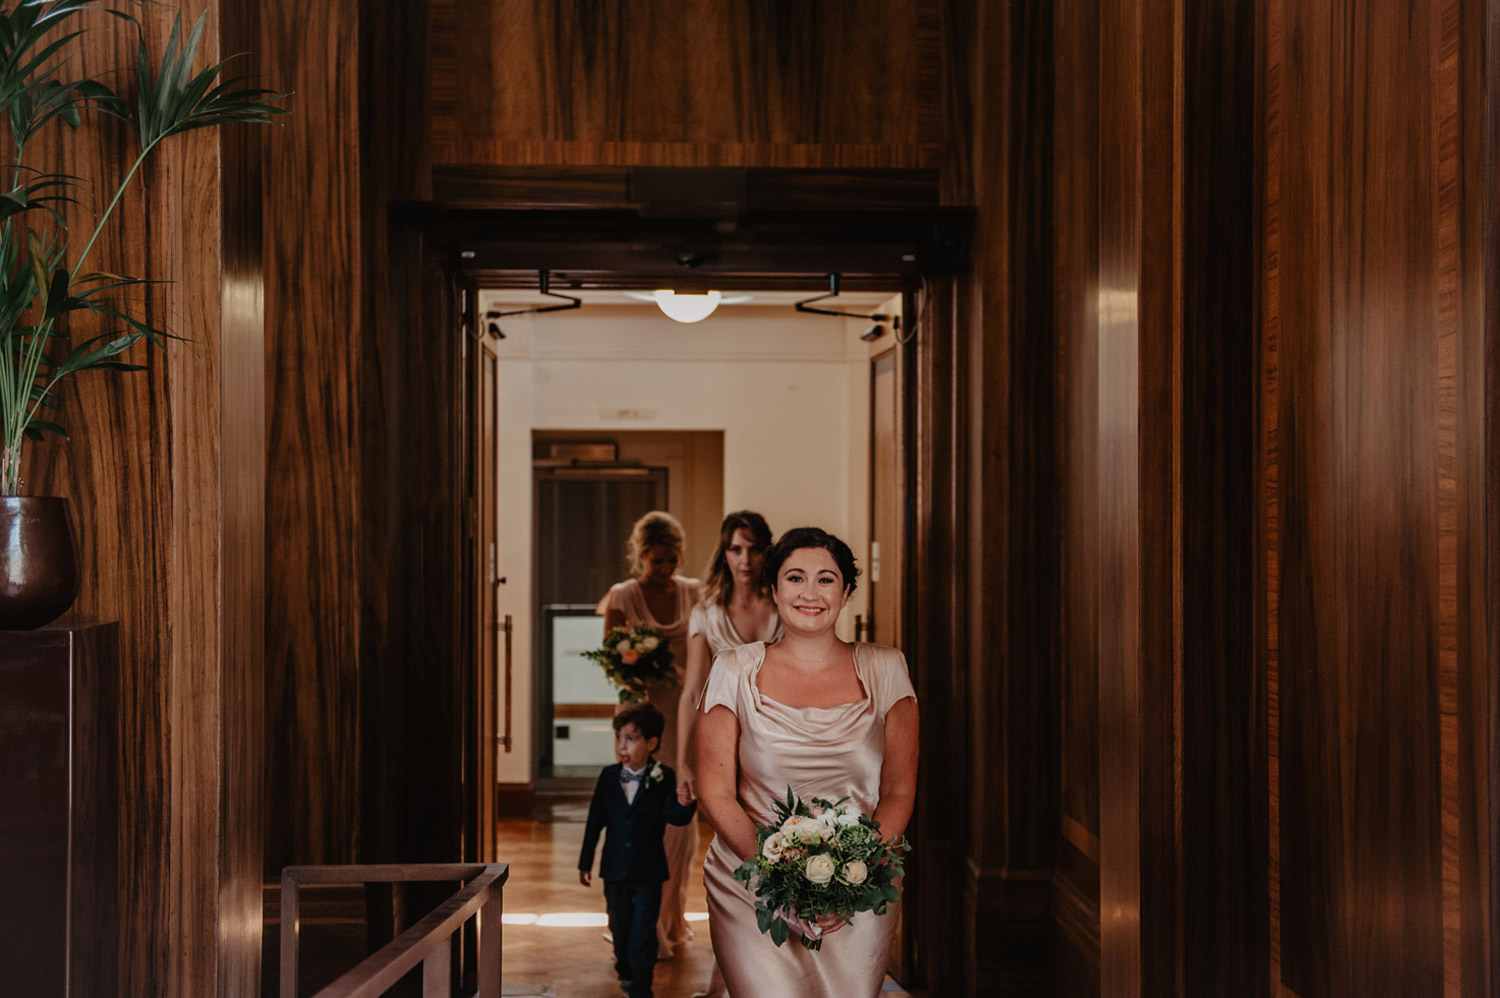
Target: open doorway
847	374
590	486
611	409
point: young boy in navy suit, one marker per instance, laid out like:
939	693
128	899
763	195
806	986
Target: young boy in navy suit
635	799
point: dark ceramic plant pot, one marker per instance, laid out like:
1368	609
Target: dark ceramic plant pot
38	561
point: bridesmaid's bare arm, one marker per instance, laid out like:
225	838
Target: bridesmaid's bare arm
613	618
718	779
898	773
693	680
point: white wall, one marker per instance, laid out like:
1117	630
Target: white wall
789	392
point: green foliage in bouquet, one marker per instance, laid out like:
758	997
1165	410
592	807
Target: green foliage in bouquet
633	655
42	281
821	858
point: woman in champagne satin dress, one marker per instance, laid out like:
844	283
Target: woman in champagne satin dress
736	609
658	597
827	718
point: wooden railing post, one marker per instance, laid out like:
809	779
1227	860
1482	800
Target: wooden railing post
489	945
437	971
289	929
429	942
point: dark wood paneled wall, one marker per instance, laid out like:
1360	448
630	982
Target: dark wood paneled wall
1270	272
986	532
1372	450
689	83
315	247
364	429
166	470
1077	306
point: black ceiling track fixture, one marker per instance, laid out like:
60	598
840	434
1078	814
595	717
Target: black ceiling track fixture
806	304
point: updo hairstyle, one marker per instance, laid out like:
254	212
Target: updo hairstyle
809	537
657	529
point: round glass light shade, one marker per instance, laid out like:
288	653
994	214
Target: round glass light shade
687	308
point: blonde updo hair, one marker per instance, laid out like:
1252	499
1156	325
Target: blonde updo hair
657	529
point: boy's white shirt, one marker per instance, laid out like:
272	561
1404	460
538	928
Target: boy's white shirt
634	786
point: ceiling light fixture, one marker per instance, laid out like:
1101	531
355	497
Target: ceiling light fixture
687	308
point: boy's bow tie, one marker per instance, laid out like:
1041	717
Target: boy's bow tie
626	776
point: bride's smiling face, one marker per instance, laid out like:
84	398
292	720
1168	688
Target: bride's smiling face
810	591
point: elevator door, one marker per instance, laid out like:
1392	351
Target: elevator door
584	516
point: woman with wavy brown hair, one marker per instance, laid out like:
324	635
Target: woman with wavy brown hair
736	609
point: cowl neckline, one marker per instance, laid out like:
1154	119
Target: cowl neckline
823	716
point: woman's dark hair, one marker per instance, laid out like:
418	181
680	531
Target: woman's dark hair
809	537
720	585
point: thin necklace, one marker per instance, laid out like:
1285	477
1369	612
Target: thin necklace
802	661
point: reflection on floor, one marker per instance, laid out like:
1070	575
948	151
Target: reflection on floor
553	926
554	945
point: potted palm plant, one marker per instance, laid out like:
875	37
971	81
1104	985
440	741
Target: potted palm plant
58	317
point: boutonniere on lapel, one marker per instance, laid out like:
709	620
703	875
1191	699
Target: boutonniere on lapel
652	775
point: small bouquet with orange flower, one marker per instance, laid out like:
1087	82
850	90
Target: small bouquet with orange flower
631	656
821	858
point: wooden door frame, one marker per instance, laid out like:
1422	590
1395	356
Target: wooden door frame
877	228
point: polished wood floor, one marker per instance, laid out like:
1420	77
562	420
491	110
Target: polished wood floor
547	951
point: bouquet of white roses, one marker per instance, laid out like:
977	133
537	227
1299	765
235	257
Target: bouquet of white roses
821	858
632	655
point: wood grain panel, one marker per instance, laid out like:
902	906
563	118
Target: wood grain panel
242	442
1371	443
1158	444
416	665
165	480
1120	875
1482	121
929	633
312	365
1076	279
688	82
1005	384
1220	855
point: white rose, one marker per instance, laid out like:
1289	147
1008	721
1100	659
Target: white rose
650	644
773	848
623	646
819	869
656	771
809	832
854	872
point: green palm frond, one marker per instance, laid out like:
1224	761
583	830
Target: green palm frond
56	319
179	100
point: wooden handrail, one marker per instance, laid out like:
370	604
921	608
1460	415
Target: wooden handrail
428	942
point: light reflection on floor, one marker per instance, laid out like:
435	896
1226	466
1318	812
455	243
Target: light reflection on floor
553	936
554	927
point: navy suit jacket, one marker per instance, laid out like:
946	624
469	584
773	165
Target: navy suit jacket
633	846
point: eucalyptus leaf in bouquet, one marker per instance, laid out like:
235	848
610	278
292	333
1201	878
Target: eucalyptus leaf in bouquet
821	858
57	318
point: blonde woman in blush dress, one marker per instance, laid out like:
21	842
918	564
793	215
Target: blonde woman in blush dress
827	718
658	597
736	609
